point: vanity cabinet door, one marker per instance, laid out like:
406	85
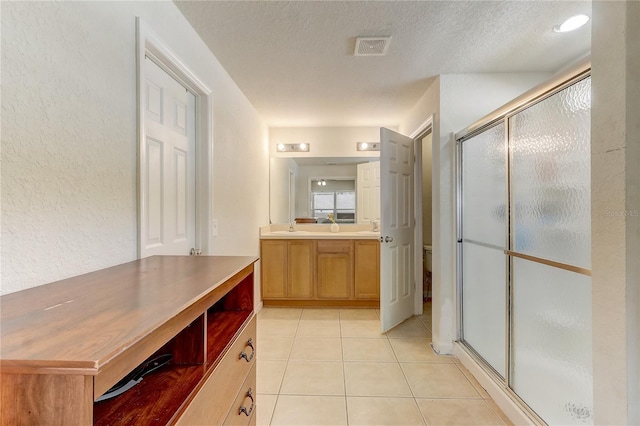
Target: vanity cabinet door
367	269
335	269
274	268
301	269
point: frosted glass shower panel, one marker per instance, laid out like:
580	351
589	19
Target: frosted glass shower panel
484	238
551	342
483	300
550	152
483	187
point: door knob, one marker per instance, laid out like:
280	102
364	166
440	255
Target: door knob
388	239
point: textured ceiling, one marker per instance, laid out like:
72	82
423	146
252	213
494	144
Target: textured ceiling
294	59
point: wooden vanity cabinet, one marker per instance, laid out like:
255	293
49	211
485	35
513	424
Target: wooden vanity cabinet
64	344
300	273
274	268
335	269
287	268
367	269
320	272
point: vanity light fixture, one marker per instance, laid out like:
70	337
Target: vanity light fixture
293	147
322	182
368	146
571	24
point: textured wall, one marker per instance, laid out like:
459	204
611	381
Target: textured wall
69	139
615	206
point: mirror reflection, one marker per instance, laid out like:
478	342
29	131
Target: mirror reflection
314	190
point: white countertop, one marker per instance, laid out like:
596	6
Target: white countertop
318	231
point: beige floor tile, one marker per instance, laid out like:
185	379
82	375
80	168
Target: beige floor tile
417	350
320	314
317	349
279	313
483	393
427	323
310	410
277	327
498	412
269	376
375	379
274	348
367	350
383	411
264	409
319	328
457	412
358	314
438	381
313	378
412	327
363	329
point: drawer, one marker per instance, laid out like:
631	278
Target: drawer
212	403
244	400
334	246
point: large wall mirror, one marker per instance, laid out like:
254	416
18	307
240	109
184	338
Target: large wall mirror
310	189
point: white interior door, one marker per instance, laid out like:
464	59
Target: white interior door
167	165
397	287
368	190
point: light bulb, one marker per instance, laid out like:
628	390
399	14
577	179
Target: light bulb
280	147
572	23
303	146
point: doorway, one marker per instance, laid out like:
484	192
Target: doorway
424	216
181	169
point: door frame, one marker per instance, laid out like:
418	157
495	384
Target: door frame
425	128
148	44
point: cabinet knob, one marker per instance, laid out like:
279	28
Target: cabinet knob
243	409
244	355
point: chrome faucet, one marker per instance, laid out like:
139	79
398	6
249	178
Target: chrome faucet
291	226
375	226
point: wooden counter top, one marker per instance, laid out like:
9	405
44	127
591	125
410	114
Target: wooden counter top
82	323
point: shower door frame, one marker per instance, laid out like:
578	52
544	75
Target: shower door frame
570	76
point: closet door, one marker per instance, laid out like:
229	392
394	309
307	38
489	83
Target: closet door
551	256
484	291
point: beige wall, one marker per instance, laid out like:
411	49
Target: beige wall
615	203
69	138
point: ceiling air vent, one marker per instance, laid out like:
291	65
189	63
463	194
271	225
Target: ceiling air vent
372	46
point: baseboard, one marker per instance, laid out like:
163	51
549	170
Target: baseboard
497	392
442	348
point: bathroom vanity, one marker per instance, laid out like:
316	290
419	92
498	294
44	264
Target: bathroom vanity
66	343
312	266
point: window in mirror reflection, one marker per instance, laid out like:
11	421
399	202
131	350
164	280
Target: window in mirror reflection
336	197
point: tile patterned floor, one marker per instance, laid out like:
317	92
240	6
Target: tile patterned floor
334	367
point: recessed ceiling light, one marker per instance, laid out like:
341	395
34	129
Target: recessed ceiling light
571	24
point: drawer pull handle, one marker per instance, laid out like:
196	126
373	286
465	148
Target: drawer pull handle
243	409
244	355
